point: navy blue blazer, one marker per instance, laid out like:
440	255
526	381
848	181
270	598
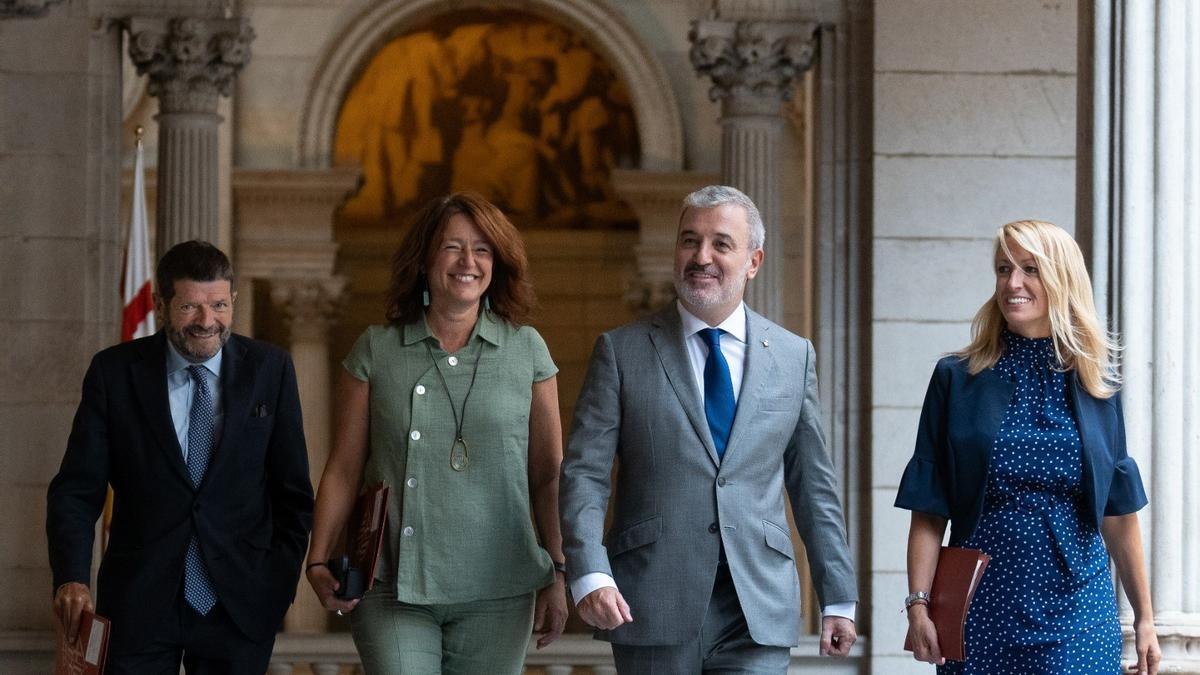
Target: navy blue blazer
947	475
251	513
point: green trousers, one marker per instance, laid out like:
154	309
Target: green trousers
470	638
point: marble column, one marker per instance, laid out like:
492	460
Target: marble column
753	65
1140	168
309	308
190	62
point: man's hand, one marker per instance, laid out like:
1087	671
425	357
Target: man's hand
837	636
69	602
605	609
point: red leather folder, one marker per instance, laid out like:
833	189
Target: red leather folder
87	655
367	523
959	571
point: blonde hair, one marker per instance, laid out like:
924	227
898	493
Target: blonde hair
1080	342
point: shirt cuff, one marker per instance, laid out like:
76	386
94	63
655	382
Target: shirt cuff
846	610
581	587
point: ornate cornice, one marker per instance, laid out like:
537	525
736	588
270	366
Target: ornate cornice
779	10
25	8
752	59
190	61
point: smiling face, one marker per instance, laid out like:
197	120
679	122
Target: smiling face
460	268
1020	292
198	318
713	260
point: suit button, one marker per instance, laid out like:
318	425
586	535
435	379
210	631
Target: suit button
720	482
712	527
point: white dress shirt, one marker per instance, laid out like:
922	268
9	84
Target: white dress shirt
733	347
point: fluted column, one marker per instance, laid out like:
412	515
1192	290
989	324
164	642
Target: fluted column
190	63
1140	167
309	308
753	65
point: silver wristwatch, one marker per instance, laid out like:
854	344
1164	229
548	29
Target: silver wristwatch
914	597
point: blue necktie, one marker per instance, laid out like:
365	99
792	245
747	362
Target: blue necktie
197	586
719	405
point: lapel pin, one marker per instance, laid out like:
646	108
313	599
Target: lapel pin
766	343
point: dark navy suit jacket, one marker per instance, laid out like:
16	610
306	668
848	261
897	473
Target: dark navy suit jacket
947	475
251	513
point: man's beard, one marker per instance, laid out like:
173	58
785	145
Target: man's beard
179	336
699	299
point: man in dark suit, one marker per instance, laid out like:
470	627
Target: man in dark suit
198	431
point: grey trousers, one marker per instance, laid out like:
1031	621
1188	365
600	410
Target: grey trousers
724	644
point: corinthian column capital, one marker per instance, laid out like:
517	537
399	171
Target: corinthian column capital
190	61
309	306
752	60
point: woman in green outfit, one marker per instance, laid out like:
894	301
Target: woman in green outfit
454	405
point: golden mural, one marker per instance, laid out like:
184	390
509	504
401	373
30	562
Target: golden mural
511	105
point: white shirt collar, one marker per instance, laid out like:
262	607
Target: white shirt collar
176	362
734	324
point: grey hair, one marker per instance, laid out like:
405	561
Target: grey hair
712	196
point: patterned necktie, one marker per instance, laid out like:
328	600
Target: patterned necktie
197	586
719	405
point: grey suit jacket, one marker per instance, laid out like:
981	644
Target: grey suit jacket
675	503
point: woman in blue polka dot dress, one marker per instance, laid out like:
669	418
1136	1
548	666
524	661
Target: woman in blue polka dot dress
1021	449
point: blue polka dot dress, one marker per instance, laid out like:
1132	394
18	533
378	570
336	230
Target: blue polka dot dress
1046	604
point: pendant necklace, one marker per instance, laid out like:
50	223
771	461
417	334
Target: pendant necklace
458	449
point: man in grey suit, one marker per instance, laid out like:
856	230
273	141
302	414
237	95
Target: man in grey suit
712	411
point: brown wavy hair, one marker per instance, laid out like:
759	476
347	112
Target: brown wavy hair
510	292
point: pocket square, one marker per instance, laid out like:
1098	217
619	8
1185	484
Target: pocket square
260	410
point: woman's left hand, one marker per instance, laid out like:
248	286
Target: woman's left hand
1148	653
550	614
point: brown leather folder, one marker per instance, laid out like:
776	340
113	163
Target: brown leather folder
87	655
368	522
959	571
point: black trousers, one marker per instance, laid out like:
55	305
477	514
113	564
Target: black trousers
205	645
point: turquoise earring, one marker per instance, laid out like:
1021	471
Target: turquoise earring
425	297
487	303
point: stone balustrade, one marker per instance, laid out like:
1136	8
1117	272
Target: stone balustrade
297	653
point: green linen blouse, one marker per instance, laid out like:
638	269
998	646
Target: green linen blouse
454	536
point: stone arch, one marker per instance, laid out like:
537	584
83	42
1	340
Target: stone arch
659	124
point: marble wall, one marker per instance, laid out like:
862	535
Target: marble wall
60	252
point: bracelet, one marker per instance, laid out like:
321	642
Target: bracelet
560	567
921	597
309	566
